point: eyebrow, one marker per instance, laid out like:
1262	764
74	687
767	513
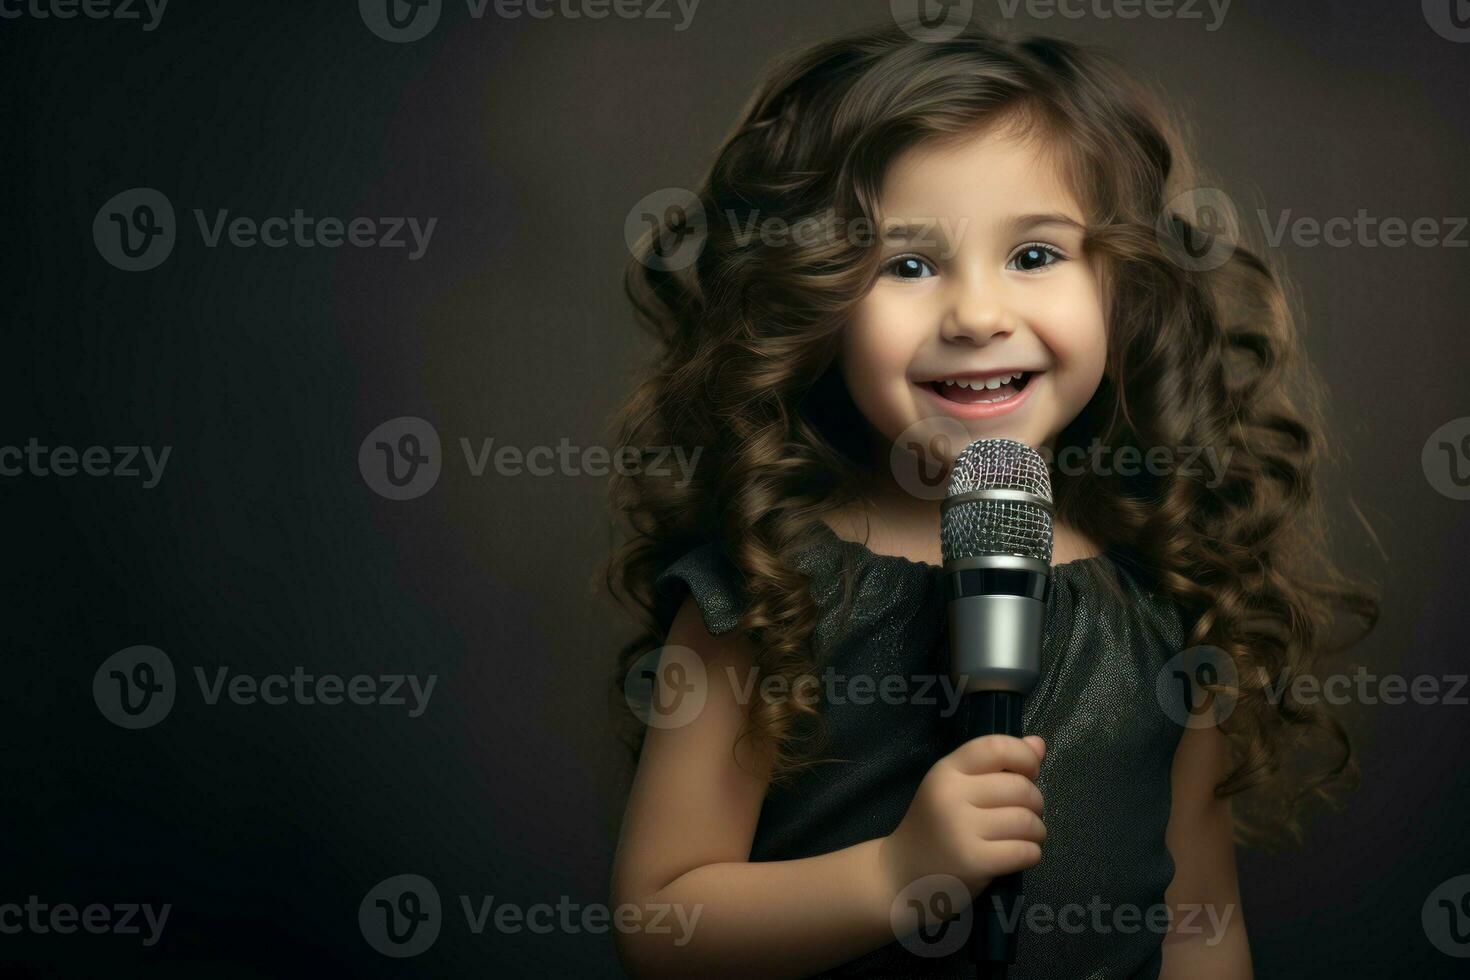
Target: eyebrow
907	231
898	233
1025	222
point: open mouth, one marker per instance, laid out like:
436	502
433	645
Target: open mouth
976	391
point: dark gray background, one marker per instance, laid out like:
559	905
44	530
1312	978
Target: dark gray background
264	549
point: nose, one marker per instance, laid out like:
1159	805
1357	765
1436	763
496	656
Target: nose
978	313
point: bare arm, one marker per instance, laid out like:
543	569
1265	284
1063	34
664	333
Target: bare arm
686	840
1207	939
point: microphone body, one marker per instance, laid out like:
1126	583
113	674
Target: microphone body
996	537
997	610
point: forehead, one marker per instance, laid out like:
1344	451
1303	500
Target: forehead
997	171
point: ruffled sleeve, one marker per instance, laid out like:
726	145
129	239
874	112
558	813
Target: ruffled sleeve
707	575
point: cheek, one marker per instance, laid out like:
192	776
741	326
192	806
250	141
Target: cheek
875	356
875	348
1092	349
1078	331
868	346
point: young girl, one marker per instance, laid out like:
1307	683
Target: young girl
903	246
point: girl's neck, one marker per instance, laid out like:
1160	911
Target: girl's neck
892	521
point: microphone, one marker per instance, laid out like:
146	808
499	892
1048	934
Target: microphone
995	530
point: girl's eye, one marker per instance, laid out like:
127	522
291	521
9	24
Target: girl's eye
1035	256
909	267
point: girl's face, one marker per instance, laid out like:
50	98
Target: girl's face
988	281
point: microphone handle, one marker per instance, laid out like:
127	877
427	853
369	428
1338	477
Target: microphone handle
993	946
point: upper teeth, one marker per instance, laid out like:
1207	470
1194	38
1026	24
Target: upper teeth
981	385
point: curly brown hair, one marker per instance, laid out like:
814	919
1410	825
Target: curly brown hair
745	369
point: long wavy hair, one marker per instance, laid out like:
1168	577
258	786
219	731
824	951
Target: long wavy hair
745	370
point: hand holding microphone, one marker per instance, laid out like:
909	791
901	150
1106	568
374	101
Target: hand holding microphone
977	815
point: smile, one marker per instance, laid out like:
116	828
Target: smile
982	395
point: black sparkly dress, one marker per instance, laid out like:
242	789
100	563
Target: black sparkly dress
1105	778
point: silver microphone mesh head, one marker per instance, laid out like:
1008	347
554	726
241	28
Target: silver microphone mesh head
997	527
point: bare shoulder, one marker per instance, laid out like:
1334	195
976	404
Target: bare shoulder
688	630
847	523
903	536
1070	544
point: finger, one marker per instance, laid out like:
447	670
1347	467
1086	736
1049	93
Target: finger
1009	855
996	753
997	789
1012	823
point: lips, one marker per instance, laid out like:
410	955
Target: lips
971	391
978	396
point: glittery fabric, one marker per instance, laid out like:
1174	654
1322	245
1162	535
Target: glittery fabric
1105	778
